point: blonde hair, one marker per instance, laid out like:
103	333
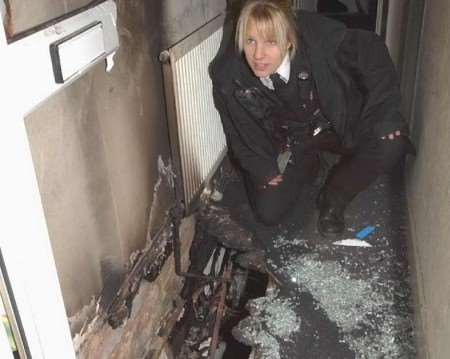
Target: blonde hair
273	19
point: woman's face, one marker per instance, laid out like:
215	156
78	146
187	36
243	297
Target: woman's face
262	53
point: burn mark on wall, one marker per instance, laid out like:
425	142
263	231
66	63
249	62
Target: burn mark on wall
146	264
78	321
156	307
113	275
166	178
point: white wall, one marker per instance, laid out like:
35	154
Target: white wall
428	183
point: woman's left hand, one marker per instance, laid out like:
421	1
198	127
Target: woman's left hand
275	181
392	135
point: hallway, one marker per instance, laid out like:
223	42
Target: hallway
95	160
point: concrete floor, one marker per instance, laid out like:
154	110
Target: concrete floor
334	302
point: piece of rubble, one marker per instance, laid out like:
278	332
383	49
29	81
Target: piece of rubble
218	224
253	260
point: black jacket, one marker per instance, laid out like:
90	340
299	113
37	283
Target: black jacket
355	79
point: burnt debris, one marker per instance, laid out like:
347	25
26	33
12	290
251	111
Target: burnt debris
324	301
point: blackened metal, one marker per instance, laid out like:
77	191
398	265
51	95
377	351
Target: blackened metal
174	138
220	309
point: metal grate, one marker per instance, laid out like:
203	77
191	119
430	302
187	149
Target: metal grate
197	128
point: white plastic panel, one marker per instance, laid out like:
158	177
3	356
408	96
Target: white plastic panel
72	55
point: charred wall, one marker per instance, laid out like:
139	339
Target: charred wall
102	158
96	147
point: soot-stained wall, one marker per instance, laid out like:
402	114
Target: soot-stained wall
180	18
101	145
97	146
26	14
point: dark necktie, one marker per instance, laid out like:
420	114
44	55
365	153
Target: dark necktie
283	91
277	82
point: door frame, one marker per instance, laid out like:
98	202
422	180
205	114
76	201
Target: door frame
27	79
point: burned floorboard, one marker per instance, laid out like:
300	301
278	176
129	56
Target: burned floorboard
334	302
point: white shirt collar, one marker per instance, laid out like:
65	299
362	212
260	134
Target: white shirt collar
284	70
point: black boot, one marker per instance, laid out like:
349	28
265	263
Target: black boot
331	206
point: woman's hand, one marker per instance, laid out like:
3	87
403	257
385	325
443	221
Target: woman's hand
392	135
275	181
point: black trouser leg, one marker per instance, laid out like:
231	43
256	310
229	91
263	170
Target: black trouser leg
355	172
273	202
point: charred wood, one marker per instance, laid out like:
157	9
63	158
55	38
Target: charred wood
147	265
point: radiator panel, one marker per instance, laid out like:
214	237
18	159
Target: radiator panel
201	139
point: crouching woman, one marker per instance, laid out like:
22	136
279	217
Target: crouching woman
295	85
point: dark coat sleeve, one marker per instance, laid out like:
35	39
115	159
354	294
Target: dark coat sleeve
259	166
366	57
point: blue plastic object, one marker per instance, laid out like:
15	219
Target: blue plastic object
363	233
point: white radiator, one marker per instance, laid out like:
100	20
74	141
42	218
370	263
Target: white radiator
196	125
